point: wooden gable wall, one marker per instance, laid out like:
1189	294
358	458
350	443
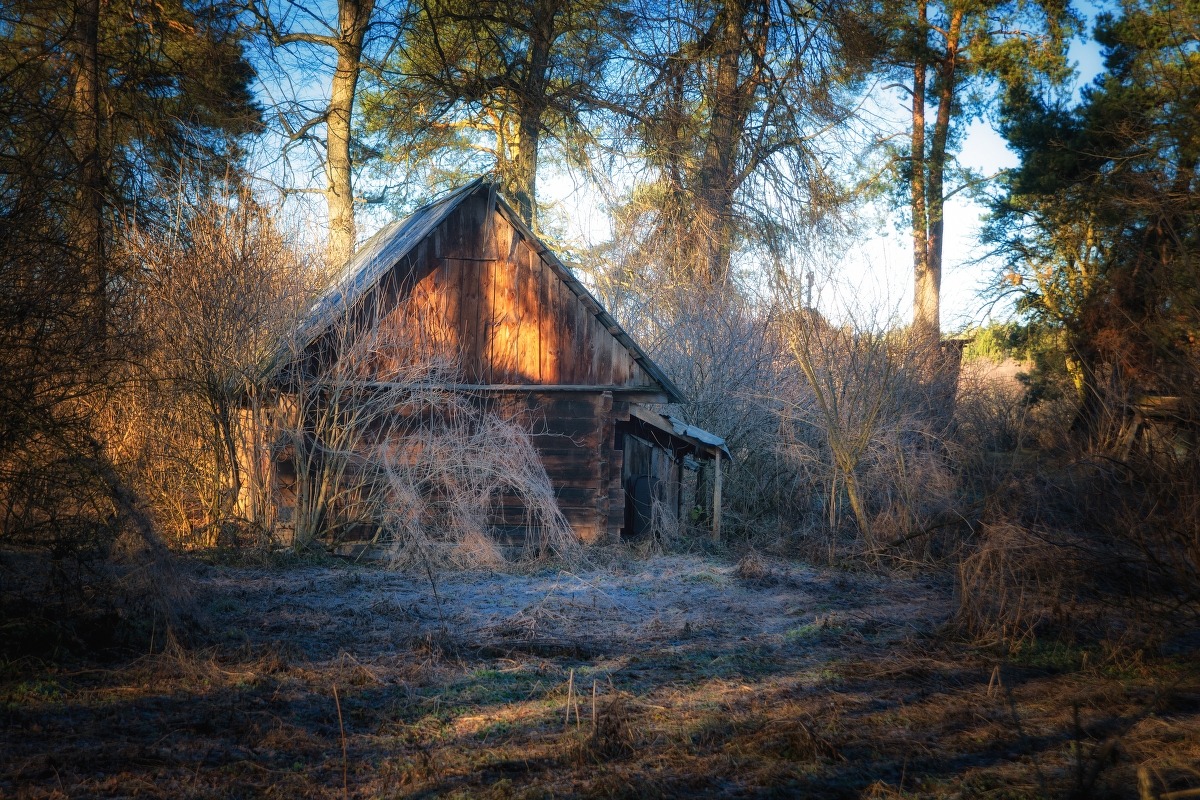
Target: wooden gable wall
483	293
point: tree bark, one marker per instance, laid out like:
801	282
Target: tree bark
928	290
354	18
85	114
922	322
721	149
536	81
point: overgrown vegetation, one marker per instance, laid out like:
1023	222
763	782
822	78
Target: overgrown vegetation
937	576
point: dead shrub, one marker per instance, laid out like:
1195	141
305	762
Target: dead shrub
437	503
666	533
1144	513
723	351
383	448
1090	548
867	428
752	568
1010	585
216	293
992	413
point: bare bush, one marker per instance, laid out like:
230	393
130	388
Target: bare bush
383	448
992	413
723	352
1085	548
1009	584
218	293
440	502
867	429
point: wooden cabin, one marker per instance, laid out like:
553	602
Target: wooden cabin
466	275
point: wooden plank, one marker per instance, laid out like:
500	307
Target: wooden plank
637	375
531	321
447	291
576	515
524	369
622	363
569	355
488	319
576	410
562	461
548	325
448	309
577	495
602	352
517	514
413	310
583	354
506	335
470	311
581	403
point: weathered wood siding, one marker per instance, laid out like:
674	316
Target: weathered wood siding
572	433
481	292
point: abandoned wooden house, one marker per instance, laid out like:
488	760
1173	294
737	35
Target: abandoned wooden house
466	274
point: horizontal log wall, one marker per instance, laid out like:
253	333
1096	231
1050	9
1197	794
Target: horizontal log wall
572	435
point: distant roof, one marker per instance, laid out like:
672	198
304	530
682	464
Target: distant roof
394	241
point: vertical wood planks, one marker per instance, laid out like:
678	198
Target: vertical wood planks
506	313
550	326
566	327
528	346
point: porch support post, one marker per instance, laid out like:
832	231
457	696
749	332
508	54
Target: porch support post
716	529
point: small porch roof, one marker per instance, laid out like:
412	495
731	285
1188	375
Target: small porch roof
679	437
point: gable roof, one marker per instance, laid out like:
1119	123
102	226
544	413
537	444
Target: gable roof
383	251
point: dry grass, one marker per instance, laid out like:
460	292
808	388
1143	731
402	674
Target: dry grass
712	701
1010	585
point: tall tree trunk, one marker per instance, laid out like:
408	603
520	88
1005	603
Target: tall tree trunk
523	180
928	290
732	96
923	324
354	18
85	108
720	152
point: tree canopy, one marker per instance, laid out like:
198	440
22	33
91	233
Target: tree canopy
1099	224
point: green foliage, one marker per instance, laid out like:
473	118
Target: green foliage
175	96
1100	223
1020	341
485	86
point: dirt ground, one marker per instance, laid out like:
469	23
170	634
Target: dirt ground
672	676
